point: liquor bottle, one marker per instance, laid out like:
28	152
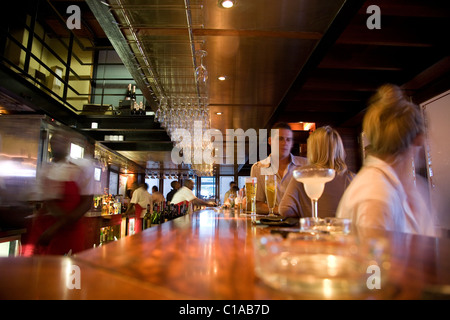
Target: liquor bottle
129	93
133	94
155	216
141	109
147	219
133	108
164	215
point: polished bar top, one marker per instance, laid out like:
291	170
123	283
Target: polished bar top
205	255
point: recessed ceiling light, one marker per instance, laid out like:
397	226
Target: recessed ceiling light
222	78
227	3
218	113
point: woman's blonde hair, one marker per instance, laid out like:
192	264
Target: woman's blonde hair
391	122
325	149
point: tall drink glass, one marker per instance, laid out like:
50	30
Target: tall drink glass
271	192
250	189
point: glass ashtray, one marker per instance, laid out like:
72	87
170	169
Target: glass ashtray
326	225
321	266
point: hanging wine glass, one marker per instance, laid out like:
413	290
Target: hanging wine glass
201	74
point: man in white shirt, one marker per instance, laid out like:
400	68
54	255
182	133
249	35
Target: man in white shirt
185	194
287	163
139	201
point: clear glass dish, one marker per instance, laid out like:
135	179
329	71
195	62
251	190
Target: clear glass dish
326	225
321	266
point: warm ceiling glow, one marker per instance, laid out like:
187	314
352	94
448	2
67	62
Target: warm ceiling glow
303	126
226	3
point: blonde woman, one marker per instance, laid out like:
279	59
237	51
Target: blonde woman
386	193
325	150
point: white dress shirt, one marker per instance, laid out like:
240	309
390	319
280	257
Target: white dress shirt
183	194
282	181
143	198
376	198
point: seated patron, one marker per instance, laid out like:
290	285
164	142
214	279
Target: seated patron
281	160
385	193
324	150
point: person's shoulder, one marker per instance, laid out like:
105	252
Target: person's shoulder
299	161
373	184
264	163
349	175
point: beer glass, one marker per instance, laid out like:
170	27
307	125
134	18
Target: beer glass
250	189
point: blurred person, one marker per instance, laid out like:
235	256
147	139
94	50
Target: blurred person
287	163
324	150
157	197
232	196
230	191
175	186
185	194
66	189
140	199
386	194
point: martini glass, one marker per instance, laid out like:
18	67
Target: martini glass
314	180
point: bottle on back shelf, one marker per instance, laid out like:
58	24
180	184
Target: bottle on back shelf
133	108
155	216
133	94
129	93
147	218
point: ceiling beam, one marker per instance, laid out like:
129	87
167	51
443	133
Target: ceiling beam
139	145
334	30
150	31
119	122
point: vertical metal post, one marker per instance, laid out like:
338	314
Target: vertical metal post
26	65
69	58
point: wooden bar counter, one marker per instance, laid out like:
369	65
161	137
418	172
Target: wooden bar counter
206	255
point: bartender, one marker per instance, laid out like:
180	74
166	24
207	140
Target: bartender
139	201
66	191
186	194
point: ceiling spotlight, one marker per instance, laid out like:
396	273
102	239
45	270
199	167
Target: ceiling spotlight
219	113
227	3
222	78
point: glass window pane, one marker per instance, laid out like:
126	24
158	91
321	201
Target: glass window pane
152	182
208	187
113	182
76	151
241	181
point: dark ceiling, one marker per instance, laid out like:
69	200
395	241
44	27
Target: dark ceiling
310	60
